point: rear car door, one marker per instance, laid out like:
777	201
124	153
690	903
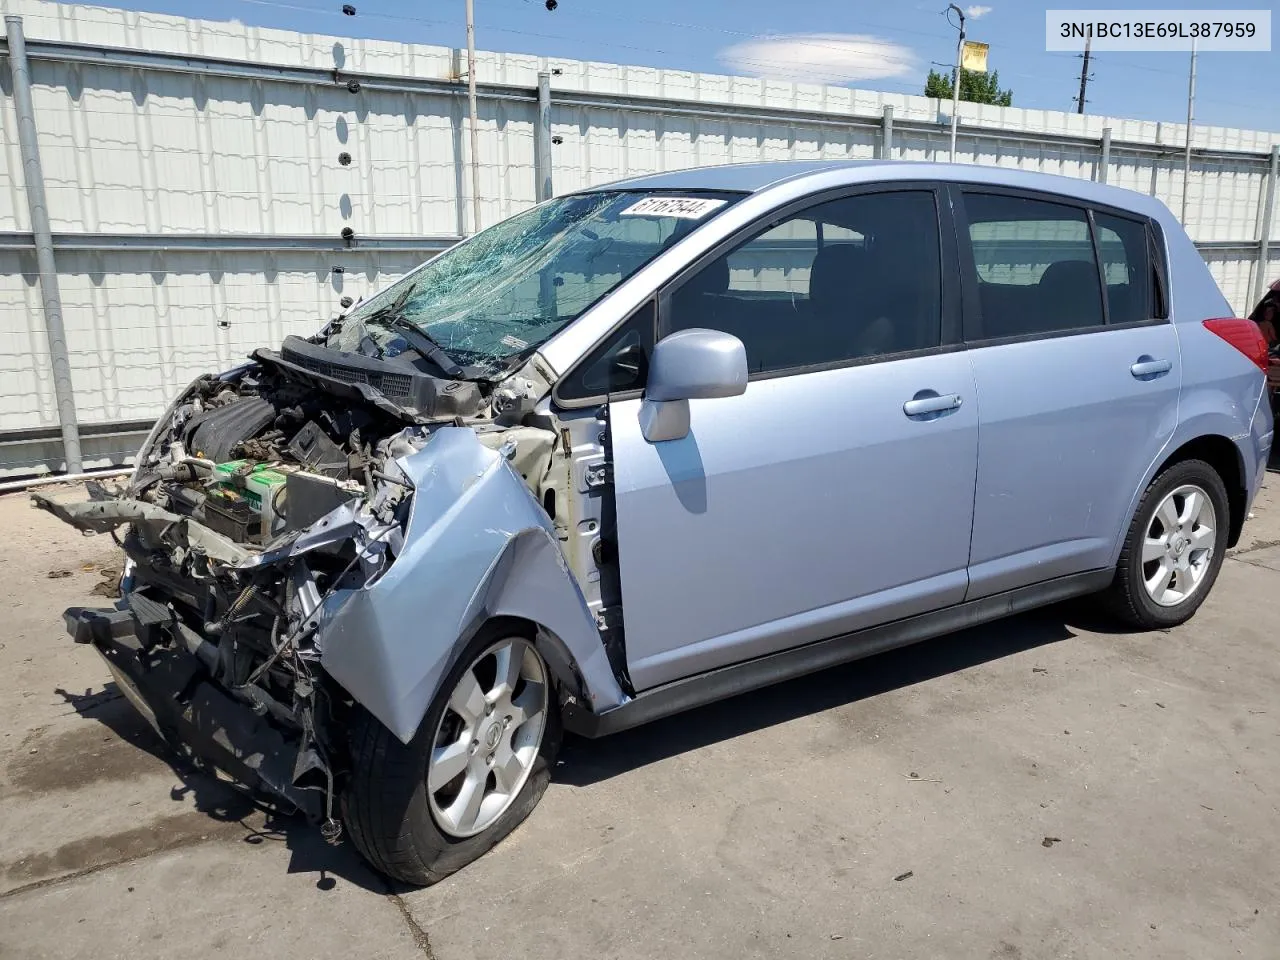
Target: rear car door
1078	374
837	491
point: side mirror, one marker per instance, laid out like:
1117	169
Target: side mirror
689	365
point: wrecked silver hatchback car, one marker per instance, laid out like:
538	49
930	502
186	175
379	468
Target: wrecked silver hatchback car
655	444
322	540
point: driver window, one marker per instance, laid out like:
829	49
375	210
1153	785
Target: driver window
848	279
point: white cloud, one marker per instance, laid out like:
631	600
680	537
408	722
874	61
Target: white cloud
977	11
820	58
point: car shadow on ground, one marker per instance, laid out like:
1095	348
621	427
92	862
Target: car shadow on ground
258	815
584	762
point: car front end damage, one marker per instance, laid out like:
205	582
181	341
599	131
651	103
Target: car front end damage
308	536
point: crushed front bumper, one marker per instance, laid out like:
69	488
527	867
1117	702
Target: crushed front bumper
172	689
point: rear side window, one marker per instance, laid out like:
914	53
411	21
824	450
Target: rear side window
1035	267
1126	266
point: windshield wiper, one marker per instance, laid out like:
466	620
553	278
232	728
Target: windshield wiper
427	346
419	339
392	309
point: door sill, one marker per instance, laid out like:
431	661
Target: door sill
680	695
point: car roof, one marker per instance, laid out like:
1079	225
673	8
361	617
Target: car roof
755	177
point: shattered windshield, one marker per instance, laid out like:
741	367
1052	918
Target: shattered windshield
511	287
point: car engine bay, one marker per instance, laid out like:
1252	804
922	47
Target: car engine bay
267	491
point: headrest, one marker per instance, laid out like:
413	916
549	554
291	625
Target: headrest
835	273
1070	276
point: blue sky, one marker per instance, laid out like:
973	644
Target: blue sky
875	45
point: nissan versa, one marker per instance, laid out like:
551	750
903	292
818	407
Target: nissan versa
657	443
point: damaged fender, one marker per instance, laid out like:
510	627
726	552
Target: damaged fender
478	545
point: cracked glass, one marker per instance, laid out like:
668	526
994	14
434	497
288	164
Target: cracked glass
494	298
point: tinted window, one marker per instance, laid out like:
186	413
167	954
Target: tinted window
851	278
1159	296
1036	270
620	363
1122	245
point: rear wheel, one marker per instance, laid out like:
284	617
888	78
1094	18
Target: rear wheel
1174	547
477	767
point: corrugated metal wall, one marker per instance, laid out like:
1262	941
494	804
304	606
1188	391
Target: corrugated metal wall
198	205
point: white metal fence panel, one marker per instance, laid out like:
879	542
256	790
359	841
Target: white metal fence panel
200	176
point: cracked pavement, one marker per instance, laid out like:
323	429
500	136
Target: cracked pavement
1042	787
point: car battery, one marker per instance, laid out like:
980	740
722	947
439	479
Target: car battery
231	516
260	486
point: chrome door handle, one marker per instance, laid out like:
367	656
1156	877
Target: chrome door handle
923	406
1148	368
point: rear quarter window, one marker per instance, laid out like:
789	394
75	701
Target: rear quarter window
1124	249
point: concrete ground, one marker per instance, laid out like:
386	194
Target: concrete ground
1043	787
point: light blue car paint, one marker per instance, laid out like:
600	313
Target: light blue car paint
777	507
1060	420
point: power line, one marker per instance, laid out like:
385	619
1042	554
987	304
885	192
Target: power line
729	31
879	83
800	41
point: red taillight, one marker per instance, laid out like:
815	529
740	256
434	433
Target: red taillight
1244	335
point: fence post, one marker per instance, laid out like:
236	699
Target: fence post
1264	243
542	140
1105	160
33	179
886	135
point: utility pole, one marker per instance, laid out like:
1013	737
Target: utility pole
955	83
474	122
1084	72
38	207
1191	117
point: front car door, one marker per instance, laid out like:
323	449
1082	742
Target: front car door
837	491
1078	374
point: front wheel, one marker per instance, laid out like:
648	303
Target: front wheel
1174	547
477	767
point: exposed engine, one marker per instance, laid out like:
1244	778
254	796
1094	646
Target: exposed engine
270	490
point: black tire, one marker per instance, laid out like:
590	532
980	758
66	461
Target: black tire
385	806
1127	597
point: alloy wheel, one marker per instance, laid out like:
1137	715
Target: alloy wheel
1178	547
488	738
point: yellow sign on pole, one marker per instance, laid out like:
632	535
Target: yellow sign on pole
974	56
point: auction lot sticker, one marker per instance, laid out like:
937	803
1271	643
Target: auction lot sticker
1155	30
685	208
